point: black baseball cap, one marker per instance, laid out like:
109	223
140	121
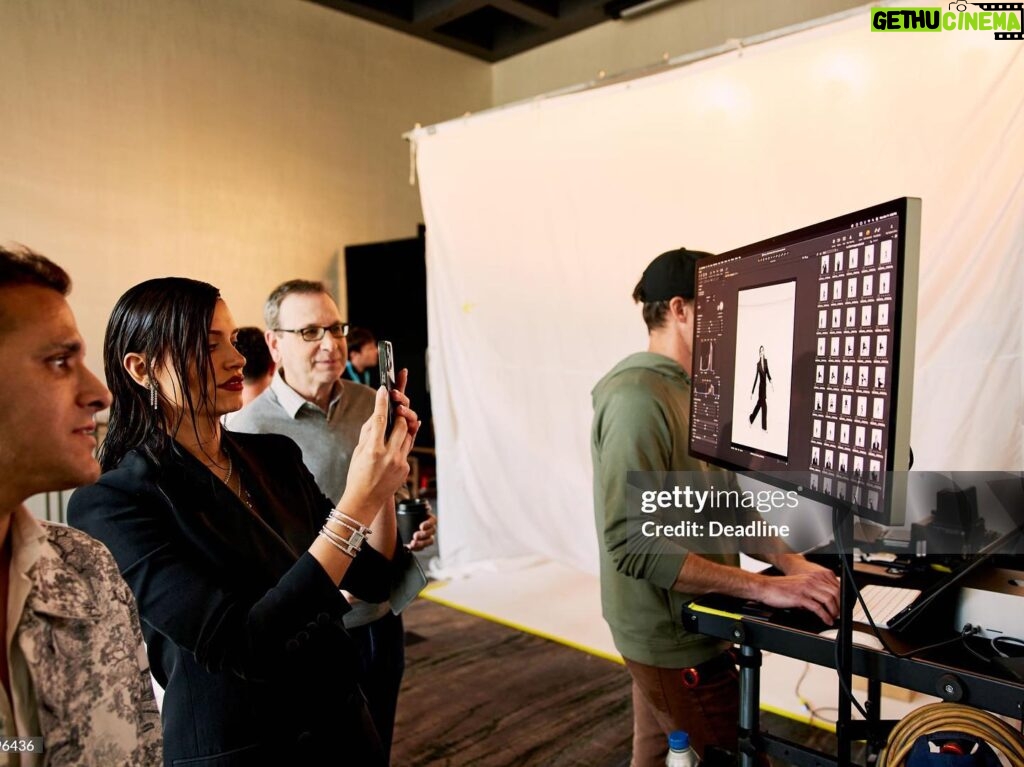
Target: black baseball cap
671	274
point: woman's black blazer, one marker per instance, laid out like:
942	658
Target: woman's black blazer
243	626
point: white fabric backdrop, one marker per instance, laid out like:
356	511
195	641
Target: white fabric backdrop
540	219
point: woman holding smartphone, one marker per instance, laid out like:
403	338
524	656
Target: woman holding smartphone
234	555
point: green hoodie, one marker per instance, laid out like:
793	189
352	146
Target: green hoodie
641	423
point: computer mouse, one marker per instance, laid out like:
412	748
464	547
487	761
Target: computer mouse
861	638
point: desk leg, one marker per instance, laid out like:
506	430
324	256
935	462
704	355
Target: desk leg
750	703
873	705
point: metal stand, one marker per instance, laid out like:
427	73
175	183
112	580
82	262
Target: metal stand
751	740
750	702
842	528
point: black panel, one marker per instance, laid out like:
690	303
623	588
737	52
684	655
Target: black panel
400	9
548	7
387	293
488	29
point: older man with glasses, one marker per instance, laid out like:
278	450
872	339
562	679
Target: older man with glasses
310	402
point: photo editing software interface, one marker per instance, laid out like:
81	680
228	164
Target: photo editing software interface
796	350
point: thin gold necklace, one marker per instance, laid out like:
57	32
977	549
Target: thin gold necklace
243	491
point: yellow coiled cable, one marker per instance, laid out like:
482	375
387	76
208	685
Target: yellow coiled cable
951	717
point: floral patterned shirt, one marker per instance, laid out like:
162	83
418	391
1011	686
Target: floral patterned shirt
78	667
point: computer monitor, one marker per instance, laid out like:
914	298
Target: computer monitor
803	358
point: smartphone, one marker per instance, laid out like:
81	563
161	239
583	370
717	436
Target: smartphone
386	360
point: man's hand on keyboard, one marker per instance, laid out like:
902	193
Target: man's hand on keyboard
804	585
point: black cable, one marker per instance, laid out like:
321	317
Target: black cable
968	630
846	689
815	714
1008	640
812	711
970	649
837	536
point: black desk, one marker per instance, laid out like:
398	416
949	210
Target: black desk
952	675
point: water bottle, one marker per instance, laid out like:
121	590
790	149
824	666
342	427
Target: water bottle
679	752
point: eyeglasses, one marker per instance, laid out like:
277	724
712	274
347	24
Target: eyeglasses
316	332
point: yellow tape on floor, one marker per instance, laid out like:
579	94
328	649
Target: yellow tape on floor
430	593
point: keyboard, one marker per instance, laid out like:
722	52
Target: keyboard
884	603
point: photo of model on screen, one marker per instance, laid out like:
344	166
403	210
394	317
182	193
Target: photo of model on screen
761	373
762	367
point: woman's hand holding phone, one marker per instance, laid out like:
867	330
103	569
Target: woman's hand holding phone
400	404
379	467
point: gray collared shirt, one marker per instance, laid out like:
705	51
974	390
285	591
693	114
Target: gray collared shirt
326	439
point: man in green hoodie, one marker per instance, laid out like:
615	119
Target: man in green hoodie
641	423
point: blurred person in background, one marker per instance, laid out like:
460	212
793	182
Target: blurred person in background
363	360
258	370
259	366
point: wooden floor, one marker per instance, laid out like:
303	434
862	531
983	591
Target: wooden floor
478	694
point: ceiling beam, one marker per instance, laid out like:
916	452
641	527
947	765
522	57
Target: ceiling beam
528	12
492	30
434	13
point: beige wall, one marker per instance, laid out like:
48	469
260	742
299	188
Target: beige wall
620	46
241	142
244	142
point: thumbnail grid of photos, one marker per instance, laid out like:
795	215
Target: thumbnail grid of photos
851	374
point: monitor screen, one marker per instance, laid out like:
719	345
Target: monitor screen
803	358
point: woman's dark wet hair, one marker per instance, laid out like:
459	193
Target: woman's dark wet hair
167	321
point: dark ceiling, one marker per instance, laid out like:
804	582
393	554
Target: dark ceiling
490	29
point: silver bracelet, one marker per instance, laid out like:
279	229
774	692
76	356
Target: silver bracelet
348	523
349	546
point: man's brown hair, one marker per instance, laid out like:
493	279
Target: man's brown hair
272	308
22	266
654	311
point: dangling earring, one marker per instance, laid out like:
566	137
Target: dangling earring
154	394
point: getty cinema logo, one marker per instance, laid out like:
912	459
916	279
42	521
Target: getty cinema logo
1002	18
